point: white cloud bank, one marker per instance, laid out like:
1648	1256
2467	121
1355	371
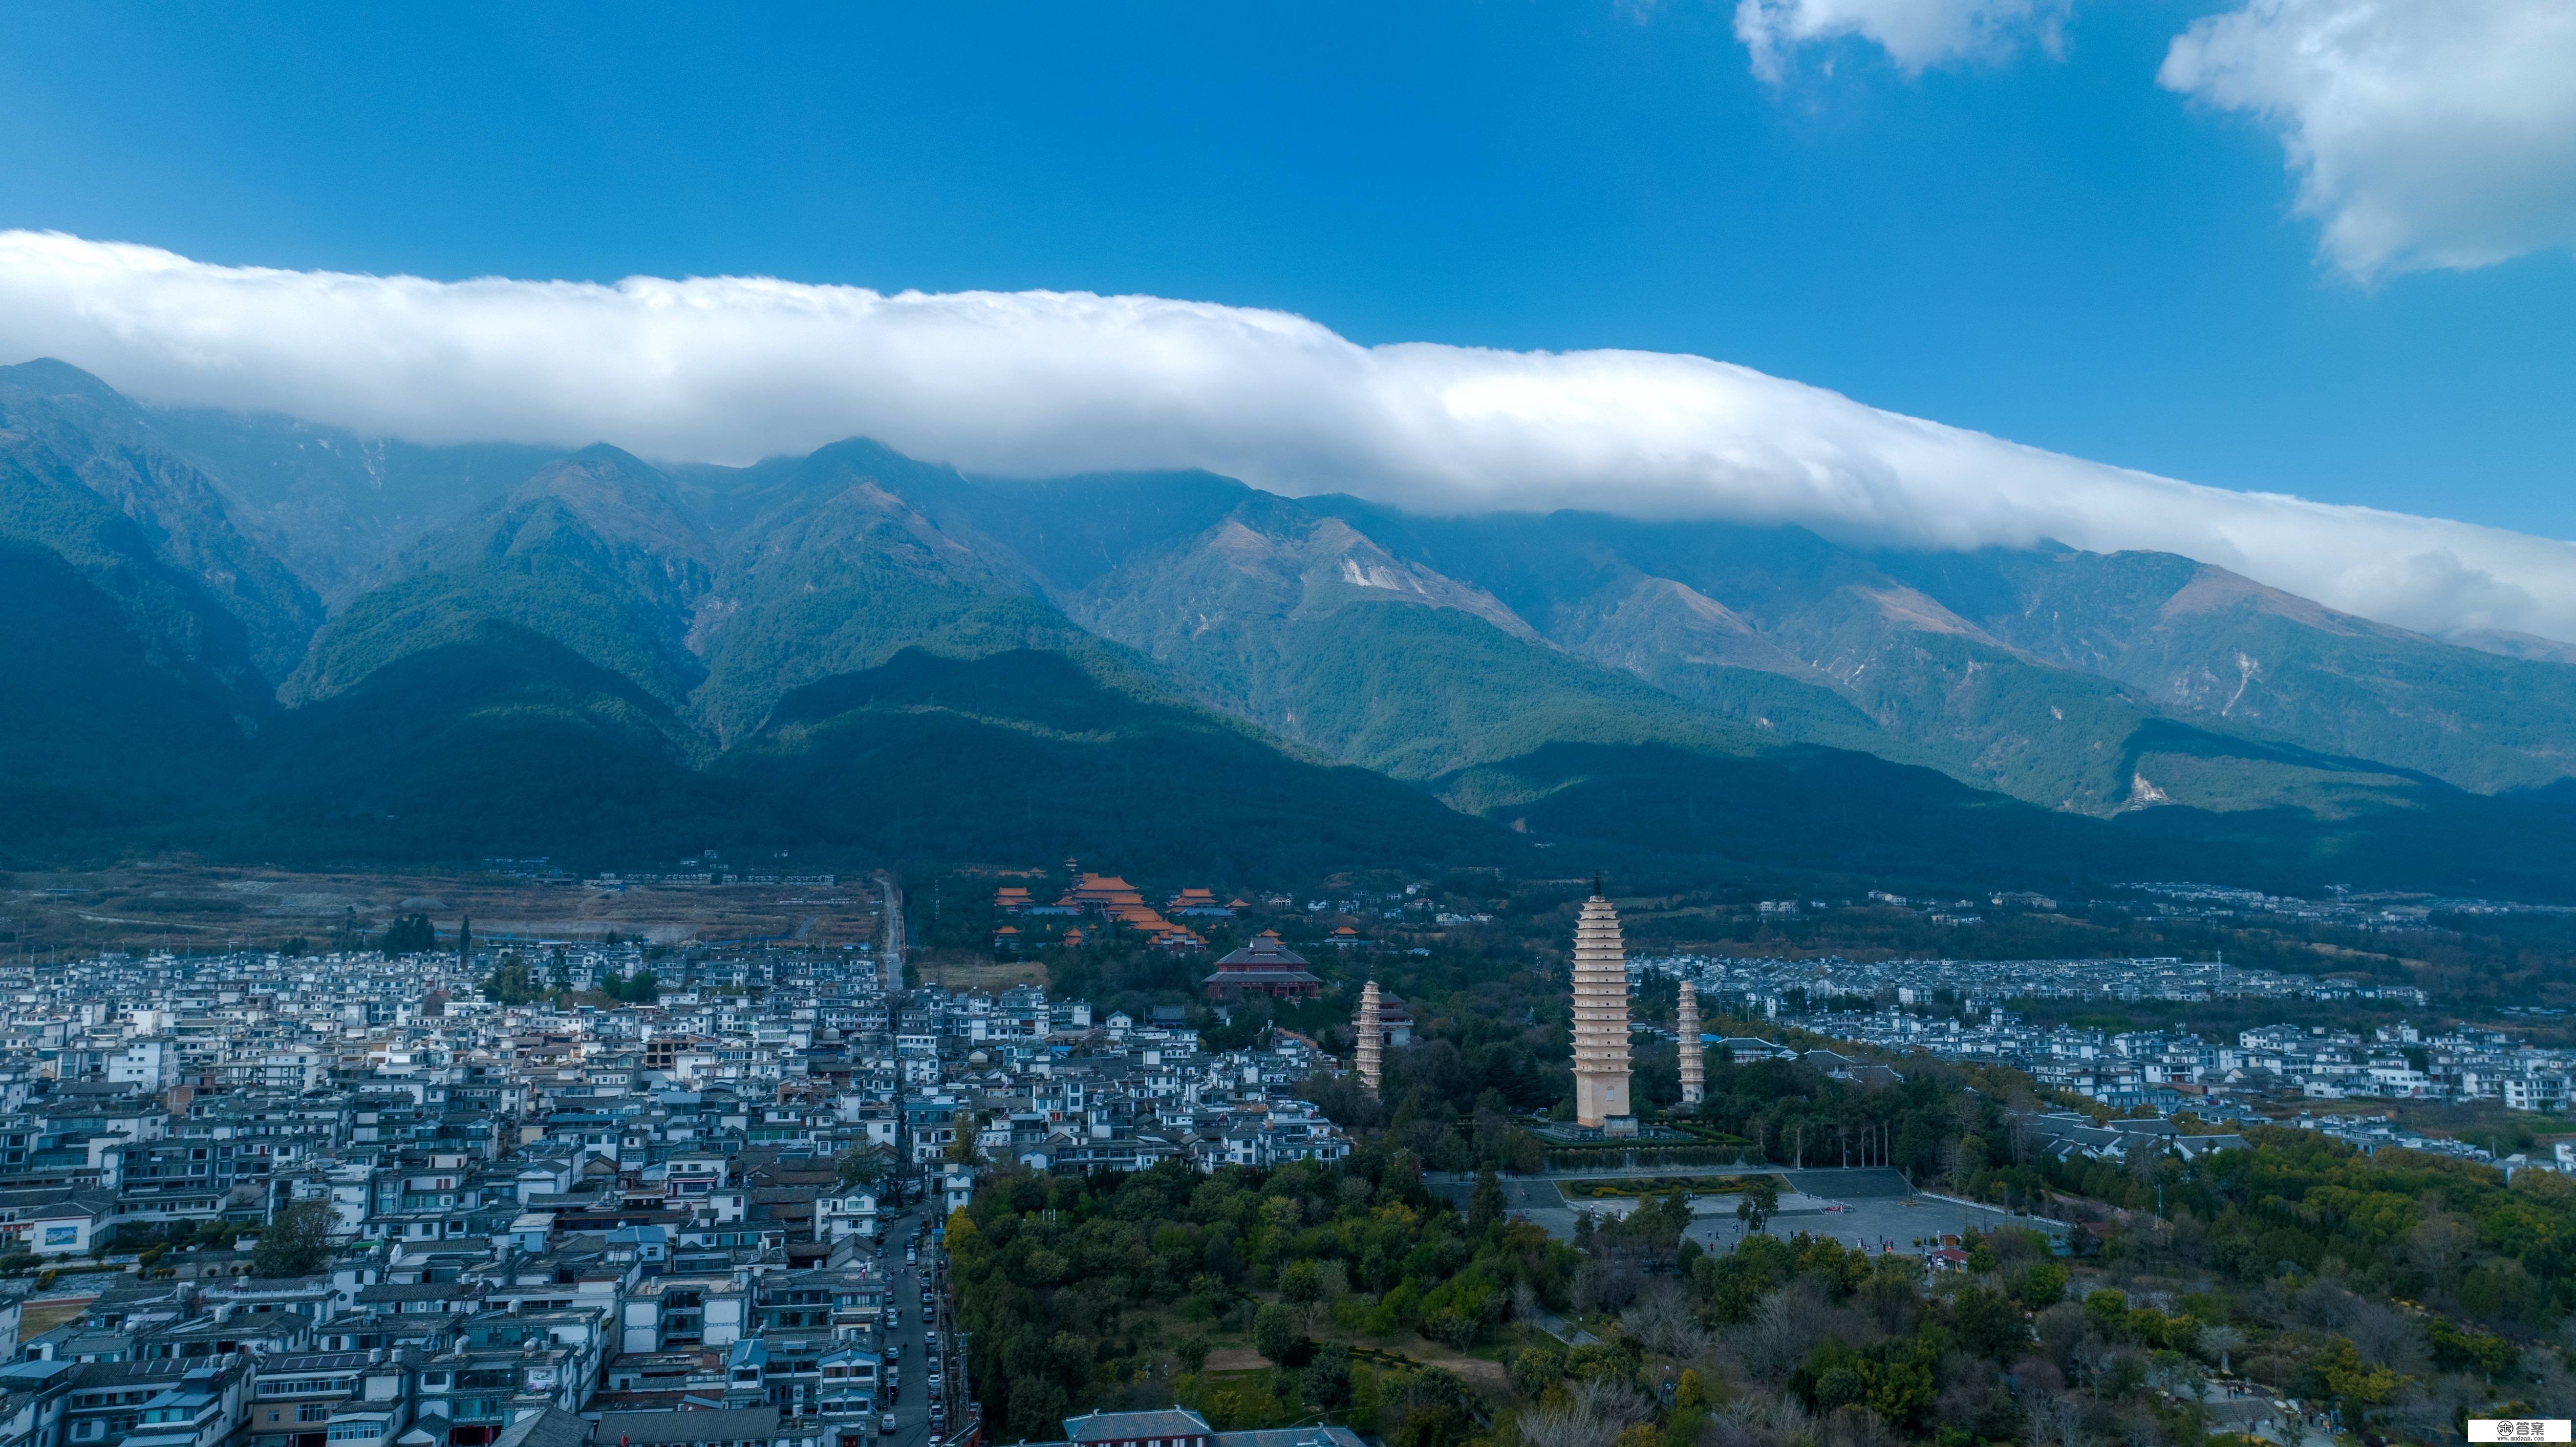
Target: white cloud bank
1916	34
731	369
2422	133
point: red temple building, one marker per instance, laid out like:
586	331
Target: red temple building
1264	967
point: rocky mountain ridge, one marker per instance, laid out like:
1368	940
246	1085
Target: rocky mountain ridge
1510	667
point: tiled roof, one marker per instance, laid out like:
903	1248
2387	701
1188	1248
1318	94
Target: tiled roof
1121	1426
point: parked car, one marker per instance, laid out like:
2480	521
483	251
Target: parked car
885	1425
894	1351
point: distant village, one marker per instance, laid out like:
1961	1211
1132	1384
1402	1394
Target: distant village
1955	1010
710	1215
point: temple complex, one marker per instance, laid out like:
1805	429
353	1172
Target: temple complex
1601	1021
1264	967
1114	899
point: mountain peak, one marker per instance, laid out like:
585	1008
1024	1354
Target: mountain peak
601	461
2214	589
2506	643
864	453
51	377
620	497
610	454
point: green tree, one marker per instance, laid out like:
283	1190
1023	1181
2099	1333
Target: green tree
511	981
2347	1376
2457	1349
1437	1411
296	1242
2042	1285
1760	1202
1326	1382
1193	1352
412	934
2108	1312
1690	1394
1899	1389
1988	1324
1273	1334
863	1167
639	988
1485	1203
1301	1286
1538	1366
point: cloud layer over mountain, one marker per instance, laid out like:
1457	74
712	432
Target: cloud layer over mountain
731	369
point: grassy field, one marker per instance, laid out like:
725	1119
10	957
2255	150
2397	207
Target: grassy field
39	1317
1231	1348
958	970
179	905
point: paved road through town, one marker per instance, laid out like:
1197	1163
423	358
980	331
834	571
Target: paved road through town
890	962
905	1284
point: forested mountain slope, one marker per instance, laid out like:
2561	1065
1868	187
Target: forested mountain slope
858	650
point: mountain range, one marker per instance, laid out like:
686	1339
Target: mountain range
254	637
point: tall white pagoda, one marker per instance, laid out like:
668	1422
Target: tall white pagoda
1694	1059
1371	1054
1601	1020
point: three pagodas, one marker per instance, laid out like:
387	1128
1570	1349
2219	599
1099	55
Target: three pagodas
1601	1100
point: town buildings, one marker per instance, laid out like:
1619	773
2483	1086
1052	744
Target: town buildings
1957	1010
556	1225
576	1224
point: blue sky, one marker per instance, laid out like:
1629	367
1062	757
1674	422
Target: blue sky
2051	248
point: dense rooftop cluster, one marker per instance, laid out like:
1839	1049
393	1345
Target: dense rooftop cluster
548	1193
1888	1004
1770	986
